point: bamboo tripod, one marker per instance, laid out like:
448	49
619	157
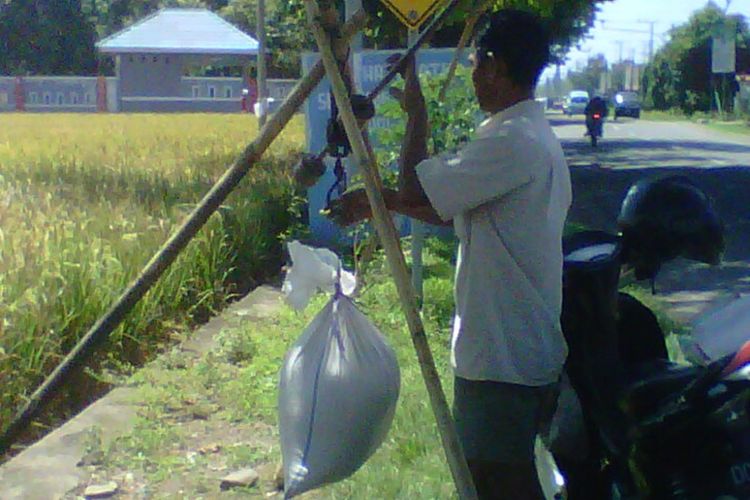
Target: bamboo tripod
166	255
322	28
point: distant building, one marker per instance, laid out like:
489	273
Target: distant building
152	57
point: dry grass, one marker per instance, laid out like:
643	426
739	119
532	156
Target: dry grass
86	200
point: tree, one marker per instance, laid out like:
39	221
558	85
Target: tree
680	73
288	36
589	77
46	37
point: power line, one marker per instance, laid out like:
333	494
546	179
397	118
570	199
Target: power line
649	32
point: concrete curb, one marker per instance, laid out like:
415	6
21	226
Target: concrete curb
48	469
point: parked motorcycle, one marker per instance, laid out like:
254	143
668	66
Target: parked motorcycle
651	429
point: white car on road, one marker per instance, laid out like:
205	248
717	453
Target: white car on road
575	103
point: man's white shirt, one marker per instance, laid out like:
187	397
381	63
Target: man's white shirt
508	193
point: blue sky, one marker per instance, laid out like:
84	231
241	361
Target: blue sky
622	27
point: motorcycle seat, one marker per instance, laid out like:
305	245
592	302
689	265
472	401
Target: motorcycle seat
653	383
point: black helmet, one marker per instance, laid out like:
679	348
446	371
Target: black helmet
667	218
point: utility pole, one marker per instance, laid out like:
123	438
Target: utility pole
650	32
262	89
619	44
651	38
651	42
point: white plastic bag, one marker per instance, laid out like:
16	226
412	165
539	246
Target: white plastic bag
313	269
339	384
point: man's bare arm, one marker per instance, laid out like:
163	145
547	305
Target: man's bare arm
420	211
414	146
354	207
410	199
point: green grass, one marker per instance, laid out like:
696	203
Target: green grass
731	127
664	116
85	202
711	121
238	380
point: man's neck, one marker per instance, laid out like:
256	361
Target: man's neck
512	98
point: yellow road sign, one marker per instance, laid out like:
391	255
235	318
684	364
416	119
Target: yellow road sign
412	12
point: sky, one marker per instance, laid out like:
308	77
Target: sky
622	27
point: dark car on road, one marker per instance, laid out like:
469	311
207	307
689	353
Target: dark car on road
627	104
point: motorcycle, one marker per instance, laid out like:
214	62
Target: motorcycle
594	127
650	428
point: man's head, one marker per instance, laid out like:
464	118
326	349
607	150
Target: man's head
510	55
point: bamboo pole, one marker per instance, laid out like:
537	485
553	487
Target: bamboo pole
423	38
174	245
465	36
389	238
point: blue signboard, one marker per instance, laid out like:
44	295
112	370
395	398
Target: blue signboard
317	113
369	68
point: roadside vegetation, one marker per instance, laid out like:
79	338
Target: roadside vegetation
201	418
85	202
217	412
735	124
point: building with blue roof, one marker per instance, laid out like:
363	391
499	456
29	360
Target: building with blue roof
152	56
152	59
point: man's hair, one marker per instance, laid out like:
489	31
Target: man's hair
520	39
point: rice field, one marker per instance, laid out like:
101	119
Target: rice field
85	202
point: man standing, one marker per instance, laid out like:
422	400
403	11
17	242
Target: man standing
507	194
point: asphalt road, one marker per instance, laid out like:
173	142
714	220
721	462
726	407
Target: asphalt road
635	149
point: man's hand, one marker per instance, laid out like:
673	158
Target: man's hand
411	98
351	208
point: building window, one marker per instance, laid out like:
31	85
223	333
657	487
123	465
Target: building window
73	98
166	60
155	59
47	98
88	98
130	58
33	97
228	92
3	98
60	98
211	91
143	59
196	91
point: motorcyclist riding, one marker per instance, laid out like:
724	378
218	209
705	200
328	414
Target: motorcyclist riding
596	110
597	104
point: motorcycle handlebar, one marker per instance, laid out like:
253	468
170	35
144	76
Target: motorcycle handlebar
688	398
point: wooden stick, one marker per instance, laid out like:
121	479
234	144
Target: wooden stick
423	38
465	36
175	244
390	240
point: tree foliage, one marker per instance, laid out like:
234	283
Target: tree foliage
589	77
57	36
680	73
46	36
452	120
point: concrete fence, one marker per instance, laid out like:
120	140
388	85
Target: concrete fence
103	94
